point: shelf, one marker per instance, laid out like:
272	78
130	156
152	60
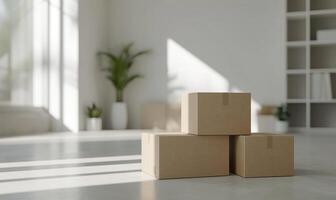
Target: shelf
327	22
321	70
296	44
323	56
322	13
296	71
323	115
311	64
296	30
322	43
303	71
296	100
322	101
293	44
296	5
297	113
313	14
296	58
296	86
322	4
296	15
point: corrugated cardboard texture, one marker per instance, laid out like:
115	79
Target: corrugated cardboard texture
180	155
216	113
262	155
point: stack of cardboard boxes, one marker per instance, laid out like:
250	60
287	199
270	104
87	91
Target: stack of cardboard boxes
216	139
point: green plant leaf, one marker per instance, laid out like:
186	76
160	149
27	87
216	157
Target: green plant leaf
282	113
133	57
94	111
132	78
127	48
119	68
140	53
109	55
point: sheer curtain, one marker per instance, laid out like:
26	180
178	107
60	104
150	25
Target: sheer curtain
39	57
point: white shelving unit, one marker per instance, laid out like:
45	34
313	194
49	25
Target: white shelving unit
311	64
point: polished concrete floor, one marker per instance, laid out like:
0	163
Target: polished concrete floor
94	166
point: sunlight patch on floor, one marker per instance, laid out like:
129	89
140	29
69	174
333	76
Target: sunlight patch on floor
67	171
72	182
69	161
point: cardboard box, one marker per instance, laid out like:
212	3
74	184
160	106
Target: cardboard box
216	113
262	155
177	155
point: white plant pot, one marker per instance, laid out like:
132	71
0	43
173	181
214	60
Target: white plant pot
119	115
93	124
281	126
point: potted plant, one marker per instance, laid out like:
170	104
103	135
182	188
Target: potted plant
118	67
282	116
94	121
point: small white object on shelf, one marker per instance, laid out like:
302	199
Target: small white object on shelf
281	126
326	35
321	86
93	124
316	85
327	89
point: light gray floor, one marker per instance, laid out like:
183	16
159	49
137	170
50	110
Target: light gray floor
94	166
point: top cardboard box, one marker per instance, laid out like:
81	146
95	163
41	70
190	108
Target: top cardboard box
216	113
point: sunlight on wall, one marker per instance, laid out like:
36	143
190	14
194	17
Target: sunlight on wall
70	62
188	73
40	40
255	107
55	59
42	64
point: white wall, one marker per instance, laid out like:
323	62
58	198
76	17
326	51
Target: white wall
93	37
238	43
